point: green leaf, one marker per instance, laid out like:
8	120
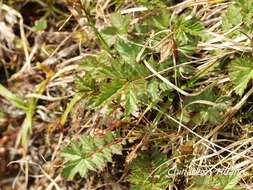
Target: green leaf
232	18
88	153
119	26
150	171
114	71
209	114
15	100
85	85
206	107
121	22
153	89
222	182
26	128
108	92
70	106
240	12
131	103
203	181
185	30
127	51
246	5
90	64
70	169
109	34
40	25
240	72
229	182
160	21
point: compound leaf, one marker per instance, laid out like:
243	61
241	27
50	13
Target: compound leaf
241	73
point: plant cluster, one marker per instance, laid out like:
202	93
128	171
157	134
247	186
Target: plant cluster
145	75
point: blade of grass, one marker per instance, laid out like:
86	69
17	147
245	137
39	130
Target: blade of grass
70	106
26	128
12	98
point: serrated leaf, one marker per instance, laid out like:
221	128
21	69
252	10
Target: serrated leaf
127	52
232	18
108	92
160	21
89	164
203	181
209	114
131	103
70	154
240	12
88	153
99	161
185	30
85	85
107	154
221	182
114	71
71	169
119	26
109	34
121	23
147	173
241	73
206	107
153	89
246	5
80	168
229	182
